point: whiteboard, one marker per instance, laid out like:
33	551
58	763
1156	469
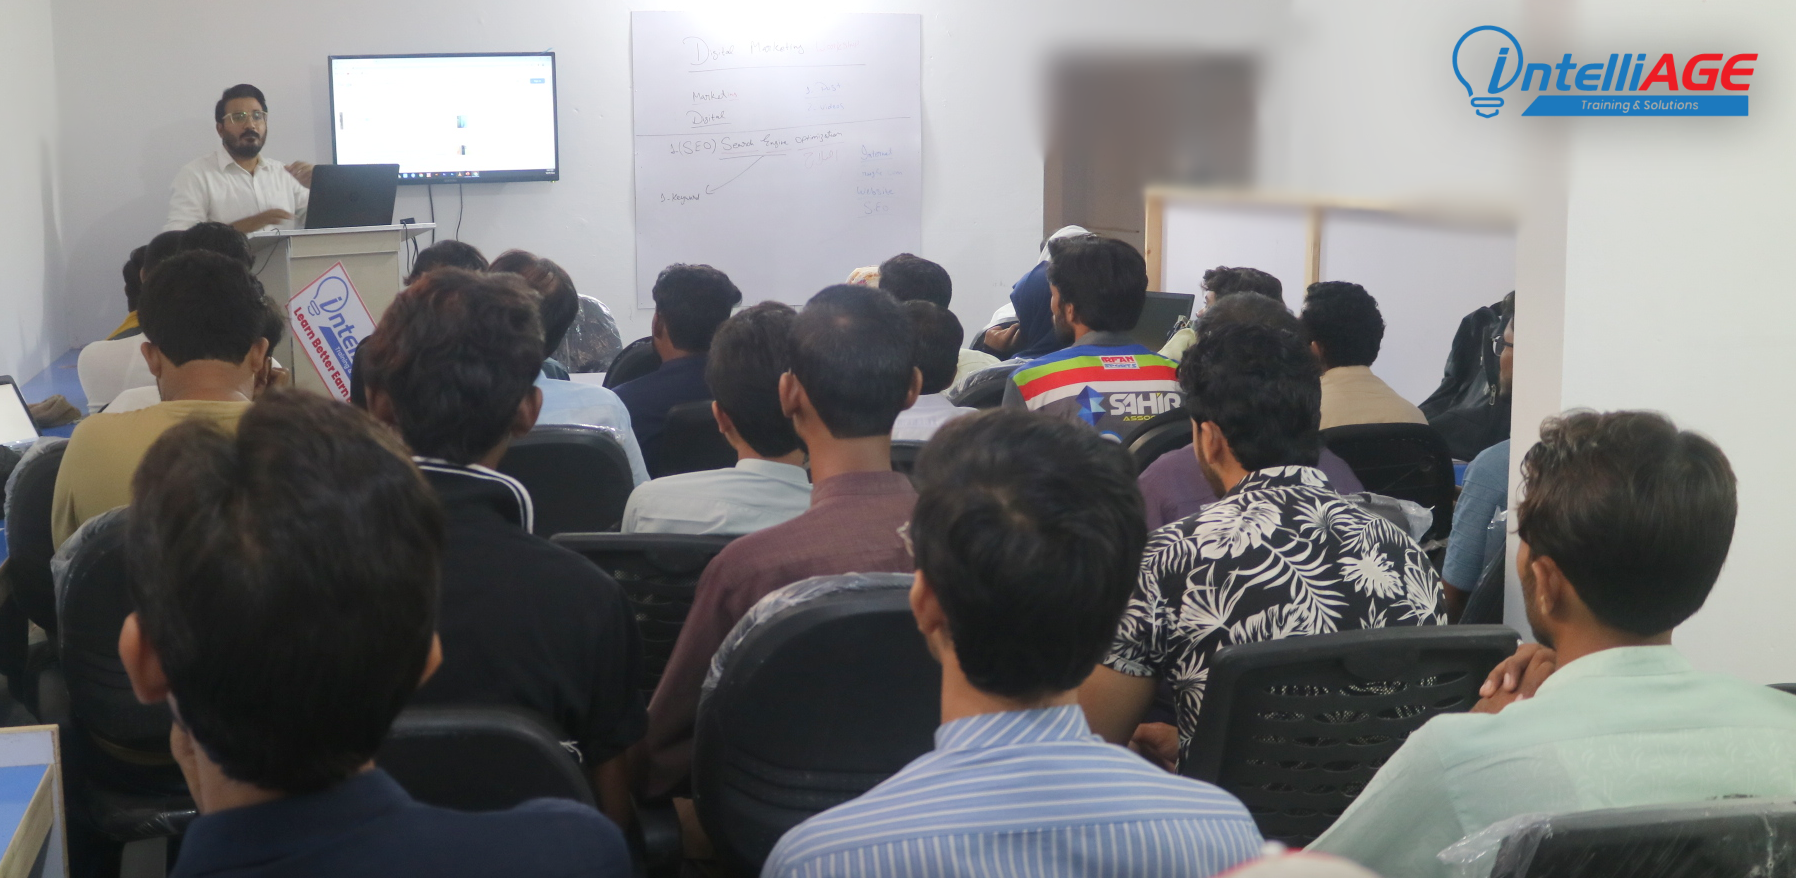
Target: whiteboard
785	153
1200	236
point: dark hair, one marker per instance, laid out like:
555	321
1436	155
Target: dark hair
164	245
1104	279
911	278
1343	319
1225	281
1261	388
1637	514
133	272
201	305
287	579
234	92
1256	310
938	337
560	303
219	238
692	301
852	351
446	254
749	354
1030	530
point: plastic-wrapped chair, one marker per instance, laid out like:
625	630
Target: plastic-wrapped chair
592	342
479	759
578	477
1731	837
1407	461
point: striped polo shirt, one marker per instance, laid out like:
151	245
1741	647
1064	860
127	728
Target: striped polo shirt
1114	387
1028	792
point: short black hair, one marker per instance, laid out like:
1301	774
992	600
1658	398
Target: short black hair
446	254
133	272
938	335
751	351
286	577
1030	530
560	303
692	301
853	352
1638	514
243	90
1257	310
1104	279
910	278
1261	388
164	245
1226	281
201	305
219	238
456	353
1343	318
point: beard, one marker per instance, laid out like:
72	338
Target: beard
1062	329
244	146
1211	476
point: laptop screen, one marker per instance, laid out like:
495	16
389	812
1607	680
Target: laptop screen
15	420
1164	314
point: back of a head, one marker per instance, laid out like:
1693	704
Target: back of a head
219	238
560	302
1261	387
1254	310
1104	279
750	352
1343	318
164	245
1029	529
287	579
853	351
455	354
1638	514
447	254
1225	281
133	273
692	301
939	334
912	278
200	305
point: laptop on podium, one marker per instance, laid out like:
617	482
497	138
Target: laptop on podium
345	196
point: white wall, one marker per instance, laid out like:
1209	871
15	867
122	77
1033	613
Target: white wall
30	313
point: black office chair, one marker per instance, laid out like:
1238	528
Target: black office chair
28	543
1406	461
823	695
658	573
1733	837
985	389
904	456
479	759
638	358
1167	431
1295	728
578	477
690	441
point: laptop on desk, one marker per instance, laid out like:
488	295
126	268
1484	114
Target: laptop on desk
1163	315
345	196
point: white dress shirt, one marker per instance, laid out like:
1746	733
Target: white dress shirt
920	421
214	188
752	495
590	405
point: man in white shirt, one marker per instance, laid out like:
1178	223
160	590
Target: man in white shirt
235	183
938	334
768	484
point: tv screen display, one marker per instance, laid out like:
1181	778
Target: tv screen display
479	118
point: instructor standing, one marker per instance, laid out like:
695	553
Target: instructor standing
235	183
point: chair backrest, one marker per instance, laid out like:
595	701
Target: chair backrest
578	477
479	759
28	545
985	389
816	703
1295	728
1407	461
1695	840
658	573
1166	432
638	358
690	441
904	455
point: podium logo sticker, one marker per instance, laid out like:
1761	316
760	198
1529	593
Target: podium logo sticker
329	320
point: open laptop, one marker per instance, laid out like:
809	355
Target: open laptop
16	427
1164	314
344	196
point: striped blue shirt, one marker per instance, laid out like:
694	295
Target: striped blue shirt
1029	792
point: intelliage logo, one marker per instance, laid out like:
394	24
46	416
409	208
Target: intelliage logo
1488	61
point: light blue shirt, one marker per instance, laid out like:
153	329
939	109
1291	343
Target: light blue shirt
589	405
743	499
1485	492
1028	792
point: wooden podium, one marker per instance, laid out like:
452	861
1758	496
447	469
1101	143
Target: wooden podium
289	259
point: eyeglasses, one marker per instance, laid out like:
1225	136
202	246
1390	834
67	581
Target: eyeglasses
240	118
1500	344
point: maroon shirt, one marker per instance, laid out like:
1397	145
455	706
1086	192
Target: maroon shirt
1173	487
851	527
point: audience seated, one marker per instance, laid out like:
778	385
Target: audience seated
1624	524
1484	494
851	375
938	336
1027	535
524	622
1032	332
1220	283
1345	330
446	254
285	587
203	319
911	278
1281	554
768	485
1106	379
691	301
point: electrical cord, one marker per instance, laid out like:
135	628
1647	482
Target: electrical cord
461	207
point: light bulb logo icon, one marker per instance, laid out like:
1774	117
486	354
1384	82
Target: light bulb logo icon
1488	105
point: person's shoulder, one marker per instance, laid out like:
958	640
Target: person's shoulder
545	837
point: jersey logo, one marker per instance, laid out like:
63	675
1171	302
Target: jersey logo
1122	362
1091	406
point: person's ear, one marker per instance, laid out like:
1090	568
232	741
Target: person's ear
792	396
724	425
257	356
432	661
380	405
529	409
1553	593
916	387
142	664
656	328
219	127
152	357
1316	351
1211	441
928	612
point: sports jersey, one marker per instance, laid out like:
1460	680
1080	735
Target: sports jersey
1105	379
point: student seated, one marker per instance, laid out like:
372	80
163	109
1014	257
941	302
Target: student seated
285	585
691	301
1031	331
1282	553
524	622
101	364
911	278
768	484
851	375
938	335
447	254
1470	549
1345	331
203	320
1027	532
1624	522
1221	283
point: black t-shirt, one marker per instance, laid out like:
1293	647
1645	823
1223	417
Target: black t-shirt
526	623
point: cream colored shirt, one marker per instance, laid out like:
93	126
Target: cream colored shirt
103	454
1353	395
214	188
